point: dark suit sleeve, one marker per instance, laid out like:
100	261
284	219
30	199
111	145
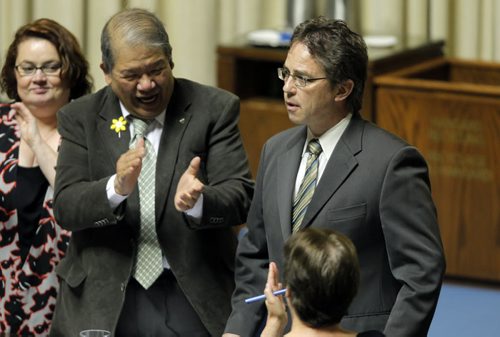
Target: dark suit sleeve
79	201
224	169
252	263
413	242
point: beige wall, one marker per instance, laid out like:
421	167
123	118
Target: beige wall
196	27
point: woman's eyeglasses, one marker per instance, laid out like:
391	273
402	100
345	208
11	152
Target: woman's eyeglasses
29	69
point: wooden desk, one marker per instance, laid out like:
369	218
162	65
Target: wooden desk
450	110
250	72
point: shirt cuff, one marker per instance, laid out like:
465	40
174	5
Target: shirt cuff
114	198
197	211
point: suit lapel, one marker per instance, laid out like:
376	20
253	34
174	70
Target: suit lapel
288	165
177	119
342	162
115	144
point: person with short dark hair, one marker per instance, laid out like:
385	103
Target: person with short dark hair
321	274
44	69
339	171
151	178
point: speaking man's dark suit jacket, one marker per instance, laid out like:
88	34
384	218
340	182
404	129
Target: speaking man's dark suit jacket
375	189
200	121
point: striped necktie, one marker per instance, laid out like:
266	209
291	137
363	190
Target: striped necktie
306	190
149	261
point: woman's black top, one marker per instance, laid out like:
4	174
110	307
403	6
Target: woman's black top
31	186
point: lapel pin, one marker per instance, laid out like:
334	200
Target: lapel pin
182	120
119	125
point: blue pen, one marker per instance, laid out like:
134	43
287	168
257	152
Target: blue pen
263	297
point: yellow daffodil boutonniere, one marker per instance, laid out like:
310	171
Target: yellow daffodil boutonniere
119	125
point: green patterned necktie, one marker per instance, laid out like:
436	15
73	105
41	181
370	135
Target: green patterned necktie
308	185
149	261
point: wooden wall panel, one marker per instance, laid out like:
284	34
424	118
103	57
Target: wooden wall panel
267	117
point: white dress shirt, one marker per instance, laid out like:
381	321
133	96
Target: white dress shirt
328	141
153	135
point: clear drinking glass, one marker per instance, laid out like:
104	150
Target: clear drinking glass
95	333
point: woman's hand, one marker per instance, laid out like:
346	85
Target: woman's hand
276	308
27	124
38	146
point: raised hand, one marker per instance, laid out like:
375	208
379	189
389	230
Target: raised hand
128	168
189	188
276	308
27	124
39	140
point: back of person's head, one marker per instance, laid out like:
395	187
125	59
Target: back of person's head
133	28
340	51
322	275
74	66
